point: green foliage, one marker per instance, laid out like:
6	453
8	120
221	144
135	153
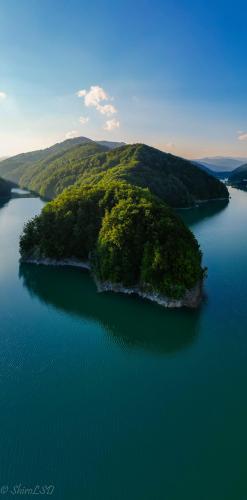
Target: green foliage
114	214
128	235
17	166
176	181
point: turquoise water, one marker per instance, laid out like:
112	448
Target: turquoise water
110	397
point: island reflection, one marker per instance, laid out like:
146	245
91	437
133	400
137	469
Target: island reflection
4	201
193	216
129	321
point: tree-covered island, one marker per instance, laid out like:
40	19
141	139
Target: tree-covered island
111	212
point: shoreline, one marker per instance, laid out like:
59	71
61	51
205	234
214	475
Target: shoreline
57	263
191	299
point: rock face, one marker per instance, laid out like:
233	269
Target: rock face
191	299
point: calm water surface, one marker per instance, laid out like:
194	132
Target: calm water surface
110	397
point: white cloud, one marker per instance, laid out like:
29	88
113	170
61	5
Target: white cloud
106	109
93	98
72	134
170	145
81	93
3	96
242	136
111	124
84	119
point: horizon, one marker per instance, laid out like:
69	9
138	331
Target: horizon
108	139
177	82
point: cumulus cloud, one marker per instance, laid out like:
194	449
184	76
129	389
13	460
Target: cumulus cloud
111	124
72	134
94	97
3	96
242	136
106	109
84	119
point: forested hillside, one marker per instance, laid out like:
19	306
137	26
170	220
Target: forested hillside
238	177
176	181
14	167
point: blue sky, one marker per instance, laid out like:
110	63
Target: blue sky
175	72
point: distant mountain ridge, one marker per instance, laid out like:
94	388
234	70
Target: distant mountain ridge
221	163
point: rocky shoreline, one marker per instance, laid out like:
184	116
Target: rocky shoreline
54	262
191	299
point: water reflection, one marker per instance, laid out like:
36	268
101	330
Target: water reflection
15	193
4	201
206	210
240	186
128	320
22	193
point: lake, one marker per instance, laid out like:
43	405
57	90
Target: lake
105	396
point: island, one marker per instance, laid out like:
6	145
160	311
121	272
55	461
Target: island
112	212
130	240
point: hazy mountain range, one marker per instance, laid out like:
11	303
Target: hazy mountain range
222	163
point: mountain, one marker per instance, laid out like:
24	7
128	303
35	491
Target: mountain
208	168
203	167
12	168
111	145
221	163
173	179
238	177
176	181
112	216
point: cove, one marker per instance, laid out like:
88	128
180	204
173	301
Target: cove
110	396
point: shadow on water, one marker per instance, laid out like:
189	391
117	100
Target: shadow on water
15	193
207	210
129	321
4	201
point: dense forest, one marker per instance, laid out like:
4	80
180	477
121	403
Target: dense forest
176	181
128	235
238	177
112	209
